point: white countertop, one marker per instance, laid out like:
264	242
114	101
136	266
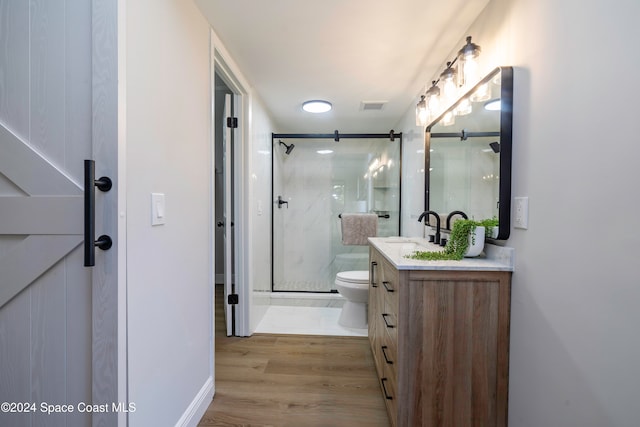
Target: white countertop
394	249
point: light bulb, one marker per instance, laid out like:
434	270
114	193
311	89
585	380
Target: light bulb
469	66
433	100
470	71
449	88
421	112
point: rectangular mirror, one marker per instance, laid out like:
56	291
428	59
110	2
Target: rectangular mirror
468	159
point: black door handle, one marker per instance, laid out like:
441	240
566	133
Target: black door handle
104	242
384	388
371	272
282	202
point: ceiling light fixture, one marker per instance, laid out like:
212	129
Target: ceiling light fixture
493	105
316	106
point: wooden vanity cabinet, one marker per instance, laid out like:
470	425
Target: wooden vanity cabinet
440	341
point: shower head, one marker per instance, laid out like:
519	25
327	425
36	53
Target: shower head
289	147
495	146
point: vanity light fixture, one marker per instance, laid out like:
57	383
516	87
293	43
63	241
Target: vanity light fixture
324	151
421	112
433	100
468	64
316	106
453	80
429	105
449	88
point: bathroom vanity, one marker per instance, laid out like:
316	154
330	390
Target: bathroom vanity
439	333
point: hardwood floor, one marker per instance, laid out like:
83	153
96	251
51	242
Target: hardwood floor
294	380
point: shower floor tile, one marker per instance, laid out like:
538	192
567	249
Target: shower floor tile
297	320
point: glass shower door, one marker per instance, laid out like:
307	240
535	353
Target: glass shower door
314	181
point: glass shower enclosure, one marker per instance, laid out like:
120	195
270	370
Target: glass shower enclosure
315	179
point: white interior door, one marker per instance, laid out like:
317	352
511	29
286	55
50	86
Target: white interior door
227	143
57	317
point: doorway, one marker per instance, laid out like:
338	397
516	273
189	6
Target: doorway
224	186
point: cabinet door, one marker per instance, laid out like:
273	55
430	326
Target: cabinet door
454	337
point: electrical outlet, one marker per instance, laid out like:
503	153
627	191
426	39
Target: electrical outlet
521	212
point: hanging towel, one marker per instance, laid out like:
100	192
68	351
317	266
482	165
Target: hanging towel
357	227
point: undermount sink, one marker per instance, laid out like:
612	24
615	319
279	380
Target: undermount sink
401	240
409	245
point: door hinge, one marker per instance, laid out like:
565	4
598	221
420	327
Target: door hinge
232	122
232	299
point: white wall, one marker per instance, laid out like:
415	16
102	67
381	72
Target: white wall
574	340
168	150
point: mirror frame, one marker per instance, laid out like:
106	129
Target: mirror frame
506	143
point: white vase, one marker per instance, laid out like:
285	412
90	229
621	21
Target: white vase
476	248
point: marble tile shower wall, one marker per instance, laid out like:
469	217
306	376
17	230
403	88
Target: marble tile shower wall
308	251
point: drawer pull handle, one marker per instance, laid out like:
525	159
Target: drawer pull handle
371	272
384	353
384	317
384	389
387	286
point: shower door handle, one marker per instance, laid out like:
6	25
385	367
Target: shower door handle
221	223
282	202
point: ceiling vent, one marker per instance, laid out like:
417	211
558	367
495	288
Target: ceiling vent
372	105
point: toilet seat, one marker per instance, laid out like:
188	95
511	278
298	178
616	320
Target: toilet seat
359	277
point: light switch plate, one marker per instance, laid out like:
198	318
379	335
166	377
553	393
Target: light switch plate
521	212
158	209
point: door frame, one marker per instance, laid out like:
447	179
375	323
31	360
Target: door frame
120	216
109	285
223	65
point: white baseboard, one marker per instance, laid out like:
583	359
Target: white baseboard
198	406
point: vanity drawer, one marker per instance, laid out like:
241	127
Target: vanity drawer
389	315
389	361
389	385
390	297
389	327
387	271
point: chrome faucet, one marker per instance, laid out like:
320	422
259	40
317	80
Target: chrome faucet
426	214
451	215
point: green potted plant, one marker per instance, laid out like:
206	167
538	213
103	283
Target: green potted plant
491	227
466	240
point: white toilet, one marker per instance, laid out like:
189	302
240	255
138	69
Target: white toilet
354	287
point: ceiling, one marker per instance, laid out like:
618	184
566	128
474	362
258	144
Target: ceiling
344	51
